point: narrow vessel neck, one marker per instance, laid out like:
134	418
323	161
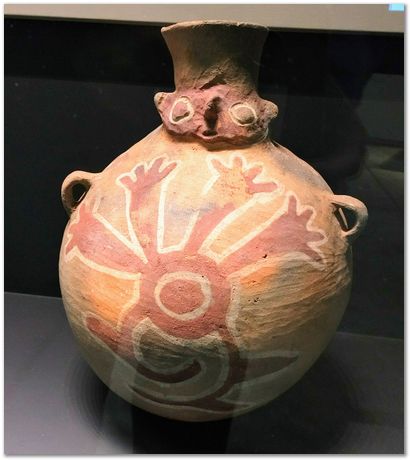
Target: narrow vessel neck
215	52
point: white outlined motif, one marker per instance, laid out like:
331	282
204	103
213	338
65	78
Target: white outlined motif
314	245
212	342
187	276
140	256
236	119
187	102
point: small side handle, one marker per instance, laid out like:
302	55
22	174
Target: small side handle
359	210
75	178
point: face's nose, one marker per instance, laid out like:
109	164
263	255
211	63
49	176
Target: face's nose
211	116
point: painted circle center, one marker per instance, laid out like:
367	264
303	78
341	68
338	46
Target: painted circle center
183	295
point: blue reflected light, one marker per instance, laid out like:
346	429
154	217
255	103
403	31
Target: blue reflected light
396	7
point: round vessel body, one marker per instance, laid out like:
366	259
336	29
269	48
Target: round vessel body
206	268
202	284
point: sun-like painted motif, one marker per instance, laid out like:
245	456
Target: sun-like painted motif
203	279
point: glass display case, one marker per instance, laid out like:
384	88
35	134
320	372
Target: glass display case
79	91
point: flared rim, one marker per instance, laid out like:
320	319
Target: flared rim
210	22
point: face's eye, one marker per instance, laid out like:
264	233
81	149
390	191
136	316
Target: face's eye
242	114
181	110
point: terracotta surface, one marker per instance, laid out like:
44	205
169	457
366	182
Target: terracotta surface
206	268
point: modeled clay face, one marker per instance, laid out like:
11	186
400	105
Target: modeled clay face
216	114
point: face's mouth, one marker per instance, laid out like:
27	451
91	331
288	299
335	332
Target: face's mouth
209	133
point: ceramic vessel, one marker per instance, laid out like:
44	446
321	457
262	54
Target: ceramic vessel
207	267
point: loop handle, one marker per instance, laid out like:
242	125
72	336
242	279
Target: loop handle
75	178
360	211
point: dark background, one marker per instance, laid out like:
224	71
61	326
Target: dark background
77	94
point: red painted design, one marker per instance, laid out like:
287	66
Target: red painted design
182	296
288	233
246	176
140	188
89	233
